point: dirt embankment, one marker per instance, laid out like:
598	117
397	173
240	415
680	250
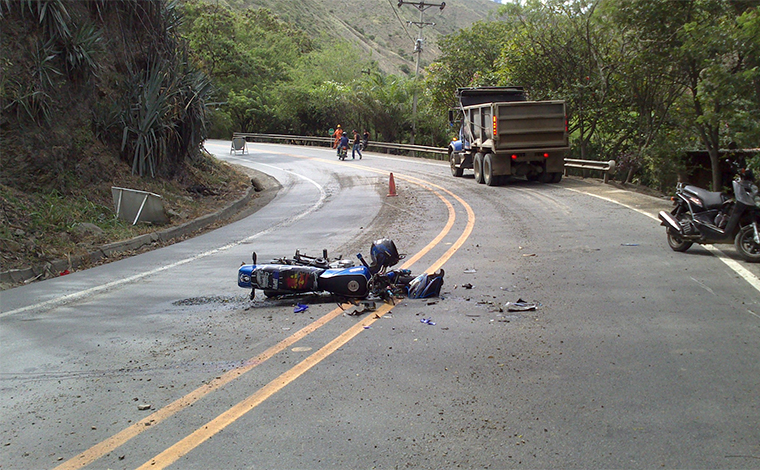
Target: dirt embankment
33	250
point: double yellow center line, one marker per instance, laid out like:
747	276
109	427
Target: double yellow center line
173	453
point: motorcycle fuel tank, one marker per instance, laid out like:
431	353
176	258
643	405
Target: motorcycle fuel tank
349	282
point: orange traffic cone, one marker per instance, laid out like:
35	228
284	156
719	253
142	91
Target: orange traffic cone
392	187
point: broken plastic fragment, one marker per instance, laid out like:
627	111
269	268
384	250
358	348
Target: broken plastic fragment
520	306
300	308
470	271
428	321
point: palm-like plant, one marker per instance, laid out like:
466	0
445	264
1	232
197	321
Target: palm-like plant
80	50
145	129
52	15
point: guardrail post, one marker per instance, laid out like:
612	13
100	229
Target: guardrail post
610	169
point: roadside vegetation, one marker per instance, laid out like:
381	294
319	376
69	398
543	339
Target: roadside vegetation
645	80
97	94
102	93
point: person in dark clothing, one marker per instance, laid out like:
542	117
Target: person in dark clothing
365	139
357	146
343	143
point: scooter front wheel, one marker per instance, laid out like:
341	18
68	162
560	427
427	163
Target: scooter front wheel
746	246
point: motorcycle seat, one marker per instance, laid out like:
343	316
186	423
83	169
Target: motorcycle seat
711	200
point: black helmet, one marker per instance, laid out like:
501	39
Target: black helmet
384	253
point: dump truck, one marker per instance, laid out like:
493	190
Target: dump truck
502	134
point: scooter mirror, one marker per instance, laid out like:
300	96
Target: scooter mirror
253	257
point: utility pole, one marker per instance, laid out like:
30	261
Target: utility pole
421	6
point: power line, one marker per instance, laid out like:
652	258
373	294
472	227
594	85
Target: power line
422	6
402	22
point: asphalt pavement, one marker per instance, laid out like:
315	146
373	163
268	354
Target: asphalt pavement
634	357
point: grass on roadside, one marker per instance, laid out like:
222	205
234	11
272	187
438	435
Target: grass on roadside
39	226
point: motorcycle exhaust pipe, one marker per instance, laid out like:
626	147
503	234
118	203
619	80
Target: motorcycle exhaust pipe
670	221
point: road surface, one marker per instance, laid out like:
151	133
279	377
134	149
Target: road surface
636	357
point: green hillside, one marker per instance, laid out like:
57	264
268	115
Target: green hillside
378	28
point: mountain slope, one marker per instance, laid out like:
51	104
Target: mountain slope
378	28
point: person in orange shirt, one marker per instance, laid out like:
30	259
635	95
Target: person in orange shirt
337	134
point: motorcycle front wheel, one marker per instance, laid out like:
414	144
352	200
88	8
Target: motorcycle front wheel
746	246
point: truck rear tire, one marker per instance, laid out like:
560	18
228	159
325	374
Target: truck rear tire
477	167
488	176
556	177
456	171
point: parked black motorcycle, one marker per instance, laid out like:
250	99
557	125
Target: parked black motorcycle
707	217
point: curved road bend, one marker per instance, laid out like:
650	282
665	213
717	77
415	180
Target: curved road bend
636	356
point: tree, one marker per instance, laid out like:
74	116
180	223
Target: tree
709	49
468	58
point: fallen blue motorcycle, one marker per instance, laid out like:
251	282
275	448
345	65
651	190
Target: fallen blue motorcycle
303	274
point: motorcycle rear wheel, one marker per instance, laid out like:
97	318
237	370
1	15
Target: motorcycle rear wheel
746	246
675	240
677	243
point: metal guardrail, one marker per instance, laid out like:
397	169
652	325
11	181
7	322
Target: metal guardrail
439	153
606	167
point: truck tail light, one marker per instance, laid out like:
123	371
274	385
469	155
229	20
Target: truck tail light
566	128
514	156
546	155
495	129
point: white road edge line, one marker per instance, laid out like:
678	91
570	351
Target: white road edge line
743	272
87	292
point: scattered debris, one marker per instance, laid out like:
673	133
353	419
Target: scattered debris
368	306
427	321
629	244
467	286
300	308
521	306
470	271
529	254
144	407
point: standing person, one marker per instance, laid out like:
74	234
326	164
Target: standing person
337	134
365	139
357	146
